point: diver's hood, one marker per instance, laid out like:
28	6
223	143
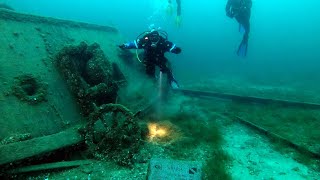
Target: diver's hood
155	34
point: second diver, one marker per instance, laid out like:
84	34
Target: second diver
241	11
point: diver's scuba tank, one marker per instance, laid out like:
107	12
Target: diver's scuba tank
160	32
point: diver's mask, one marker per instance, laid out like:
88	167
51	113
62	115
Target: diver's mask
154	38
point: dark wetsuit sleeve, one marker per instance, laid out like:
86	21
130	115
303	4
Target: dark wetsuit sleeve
136	44
178	7
170	47
140	42
228	6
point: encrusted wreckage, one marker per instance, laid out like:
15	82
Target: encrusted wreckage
95	82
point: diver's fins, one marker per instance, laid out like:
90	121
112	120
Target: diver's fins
172	81
174	84
242	50
242	30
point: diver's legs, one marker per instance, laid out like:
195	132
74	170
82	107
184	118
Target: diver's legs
244	20
164	68
150	68
171	80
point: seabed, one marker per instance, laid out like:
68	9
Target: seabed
74	106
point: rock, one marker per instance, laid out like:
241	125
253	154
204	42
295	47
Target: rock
296	169
16	34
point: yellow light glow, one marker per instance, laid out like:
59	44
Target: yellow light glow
156	131
163	133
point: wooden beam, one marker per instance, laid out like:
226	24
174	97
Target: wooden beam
50	166
247	99
289	143
38	146
20	17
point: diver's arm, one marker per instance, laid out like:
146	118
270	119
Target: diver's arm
228	6
136	44
173	48
228	9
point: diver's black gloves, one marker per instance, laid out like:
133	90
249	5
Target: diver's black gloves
122	46
176	50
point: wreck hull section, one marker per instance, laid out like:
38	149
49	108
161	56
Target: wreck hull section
28	45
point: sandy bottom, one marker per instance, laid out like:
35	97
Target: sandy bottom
254	158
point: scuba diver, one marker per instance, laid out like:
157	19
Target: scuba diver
155	44
241	11
169	10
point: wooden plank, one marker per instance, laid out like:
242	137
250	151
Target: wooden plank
289	143
37	146
20	17
248	99
50	166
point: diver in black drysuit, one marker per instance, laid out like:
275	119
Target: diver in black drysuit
155	46
241	11
178	7
178	17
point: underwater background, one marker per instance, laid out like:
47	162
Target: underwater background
283	46
245	133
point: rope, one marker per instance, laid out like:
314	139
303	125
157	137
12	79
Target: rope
138	56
